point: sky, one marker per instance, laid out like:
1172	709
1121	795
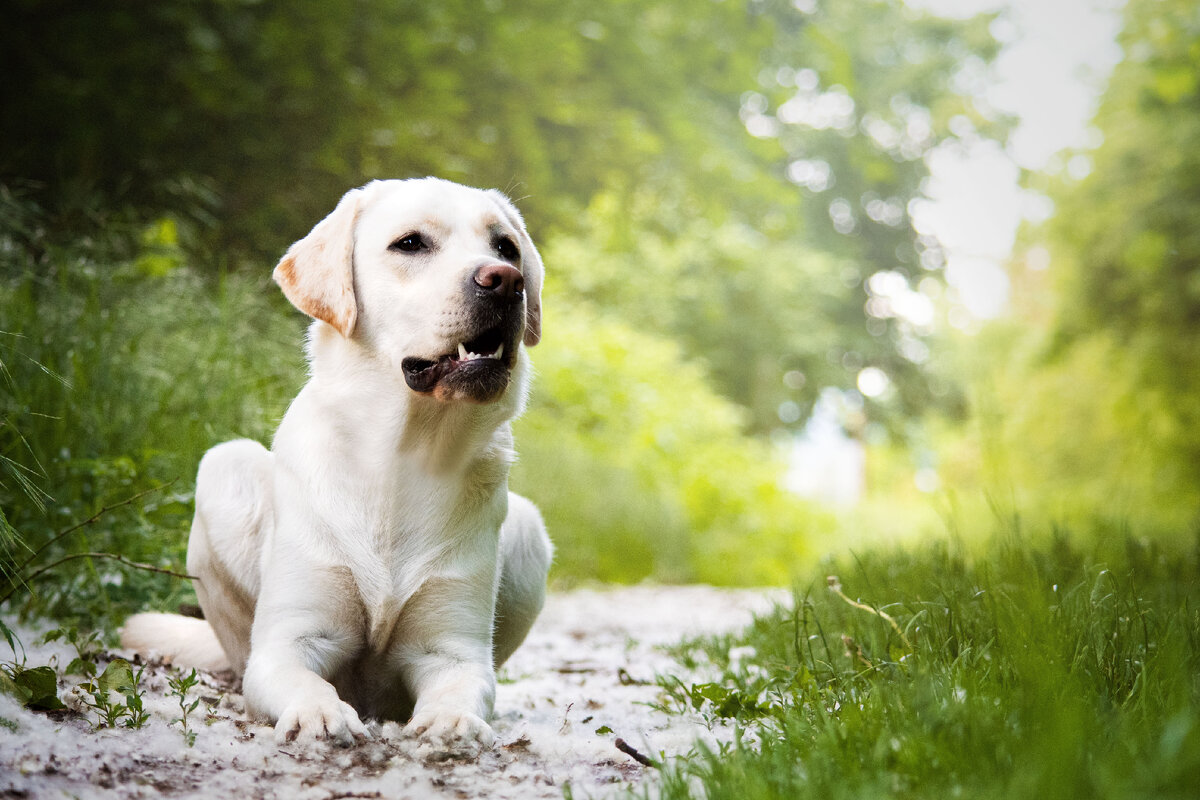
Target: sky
1056	58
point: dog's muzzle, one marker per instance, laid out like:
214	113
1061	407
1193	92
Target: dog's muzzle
480	366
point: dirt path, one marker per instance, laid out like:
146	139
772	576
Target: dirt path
583	679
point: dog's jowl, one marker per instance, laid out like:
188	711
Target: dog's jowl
373	563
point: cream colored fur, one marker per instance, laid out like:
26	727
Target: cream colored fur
373	562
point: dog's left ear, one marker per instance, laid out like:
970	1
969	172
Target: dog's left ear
317	272
531	269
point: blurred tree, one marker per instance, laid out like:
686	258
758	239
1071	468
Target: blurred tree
755	161
273	109
858	94
812	270
1127	249
641	470
1087	400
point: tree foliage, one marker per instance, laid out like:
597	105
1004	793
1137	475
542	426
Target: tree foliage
1087	400
641	470
280	107
636	126
1127	255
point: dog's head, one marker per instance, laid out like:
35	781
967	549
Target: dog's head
440	278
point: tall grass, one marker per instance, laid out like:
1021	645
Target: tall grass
1024	671
121	365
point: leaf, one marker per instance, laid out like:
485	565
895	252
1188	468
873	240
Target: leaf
8	635
725	702
41	686
712	692
117	677
55	635
81	666
11	687
603	730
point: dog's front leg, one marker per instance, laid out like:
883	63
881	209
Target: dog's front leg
306	628
444	654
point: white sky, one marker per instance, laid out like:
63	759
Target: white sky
1056	58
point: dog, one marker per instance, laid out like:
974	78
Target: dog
373	563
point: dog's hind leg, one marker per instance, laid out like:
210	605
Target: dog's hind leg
525	556
233	514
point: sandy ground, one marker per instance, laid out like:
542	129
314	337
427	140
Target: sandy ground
589	665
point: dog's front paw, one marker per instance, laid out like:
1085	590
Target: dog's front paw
457	730
328	717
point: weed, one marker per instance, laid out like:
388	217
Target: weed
33	687
116	696
88	649
114	381
180	684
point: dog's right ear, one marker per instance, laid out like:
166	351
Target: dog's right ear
531	269
317	272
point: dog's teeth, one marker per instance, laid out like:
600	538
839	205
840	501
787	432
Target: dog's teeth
466	355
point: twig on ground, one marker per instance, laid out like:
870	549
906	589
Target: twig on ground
625	748
628	680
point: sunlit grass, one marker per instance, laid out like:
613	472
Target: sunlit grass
1029	670
115	380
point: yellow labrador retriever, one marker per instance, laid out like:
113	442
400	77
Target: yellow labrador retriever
373	562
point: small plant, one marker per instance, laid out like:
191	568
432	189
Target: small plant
180	684
104	696
35	687
88	649
725	702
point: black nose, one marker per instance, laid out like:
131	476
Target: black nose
502	280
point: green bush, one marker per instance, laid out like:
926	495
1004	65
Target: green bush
1074	435
642	470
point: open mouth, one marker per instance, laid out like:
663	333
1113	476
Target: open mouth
477	370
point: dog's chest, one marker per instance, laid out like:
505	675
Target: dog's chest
420	530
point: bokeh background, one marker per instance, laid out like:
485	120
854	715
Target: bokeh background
821	274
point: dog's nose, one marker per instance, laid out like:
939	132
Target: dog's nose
503	280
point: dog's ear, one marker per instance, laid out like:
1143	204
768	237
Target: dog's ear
531	269
317	272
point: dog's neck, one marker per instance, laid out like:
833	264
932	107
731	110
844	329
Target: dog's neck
442	436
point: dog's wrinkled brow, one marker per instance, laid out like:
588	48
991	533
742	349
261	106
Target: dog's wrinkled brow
431	225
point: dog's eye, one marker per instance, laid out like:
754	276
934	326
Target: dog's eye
507	249
410	243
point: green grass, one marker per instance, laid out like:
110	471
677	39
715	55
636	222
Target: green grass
119	366
1020	671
